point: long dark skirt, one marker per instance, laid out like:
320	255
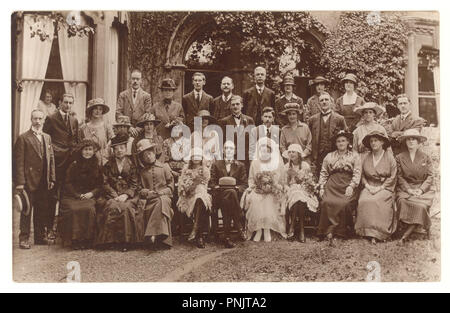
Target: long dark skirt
117	223
156	215
336	209
77	220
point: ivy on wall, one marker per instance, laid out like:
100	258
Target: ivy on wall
373	49
150	34
262	38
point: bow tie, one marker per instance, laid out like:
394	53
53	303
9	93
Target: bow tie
237	117
167	101
325	114
37	133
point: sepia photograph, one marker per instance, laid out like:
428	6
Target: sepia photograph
225	146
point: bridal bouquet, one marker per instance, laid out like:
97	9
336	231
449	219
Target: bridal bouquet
188	182
305	179
266	184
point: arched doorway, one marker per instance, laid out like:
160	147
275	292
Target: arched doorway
190	29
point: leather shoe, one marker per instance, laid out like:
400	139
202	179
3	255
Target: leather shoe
229	244
192	235
25	245
200	243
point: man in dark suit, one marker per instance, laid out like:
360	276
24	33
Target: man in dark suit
236	127
134	102
324	126
62	127
221	105
404	121
227	198
34	171
267	129
197	100
258	97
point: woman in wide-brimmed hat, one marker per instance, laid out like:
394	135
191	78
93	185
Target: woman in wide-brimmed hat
415	190
117	221
301	187
376	218
339	180
264	200
97	128
194	199
318	85
295	132
82	189
346	104
149	123
369	112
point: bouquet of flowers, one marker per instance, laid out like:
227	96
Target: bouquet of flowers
266	184
305	179
188	182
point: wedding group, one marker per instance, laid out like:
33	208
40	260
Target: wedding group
156	172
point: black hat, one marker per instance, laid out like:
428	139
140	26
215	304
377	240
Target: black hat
120	139
21	202
380	135
168	83
87	143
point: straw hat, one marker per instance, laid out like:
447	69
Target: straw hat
294	148
147	117
412	133
144	144
95	103
350	77
369	106
292	107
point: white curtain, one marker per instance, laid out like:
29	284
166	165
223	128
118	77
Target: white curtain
74	52
35	56
113	70
437	91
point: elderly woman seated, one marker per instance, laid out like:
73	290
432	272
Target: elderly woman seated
415	192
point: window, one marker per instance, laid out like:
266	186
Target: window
428	95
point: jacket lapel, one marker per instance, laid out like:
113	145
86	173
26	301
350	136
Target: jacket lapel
34	142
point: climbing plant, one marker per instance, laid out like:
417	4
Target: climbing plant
150	33
373	49
262	38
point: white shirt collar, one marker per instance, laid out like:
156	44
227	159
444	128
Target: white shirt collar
260	89
198	93
63	114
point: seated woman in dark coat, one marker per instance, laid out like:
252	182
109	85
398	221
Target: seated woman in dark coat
117	223
155	197
415	192
82	188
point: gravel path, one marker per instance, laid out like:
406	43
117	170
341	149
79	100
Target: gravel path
249	261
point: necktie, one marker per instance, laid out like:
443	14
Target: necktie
66	120
268	133
197	99
134	94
